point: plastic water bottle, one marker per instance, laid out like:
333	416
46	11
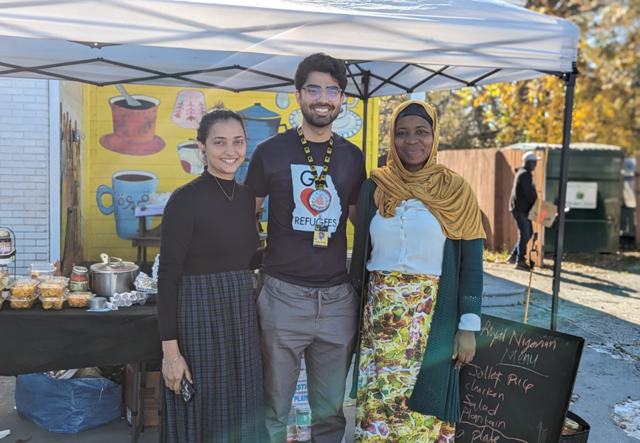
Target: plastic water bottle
292	428
303	424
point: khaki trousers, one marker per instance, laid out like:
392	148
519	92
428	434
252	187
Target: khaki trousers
322	323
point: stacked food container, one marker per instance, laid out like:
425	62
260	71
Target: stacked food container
113	282
52	291
23	294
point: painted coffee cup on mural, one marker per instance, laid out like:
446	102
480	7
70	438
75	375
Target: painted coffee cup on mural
134	127
190	158
134	124
129	188
189	109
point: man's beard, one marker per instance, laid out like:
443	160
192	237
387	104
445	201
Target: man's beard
320	122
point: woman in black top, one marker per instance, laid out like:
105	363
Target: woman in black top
206	311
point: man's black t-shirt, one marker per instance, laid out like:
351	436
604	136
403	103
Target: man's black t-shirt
279	169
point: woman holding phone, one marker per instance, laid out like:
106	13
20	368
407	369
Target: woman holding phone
208	324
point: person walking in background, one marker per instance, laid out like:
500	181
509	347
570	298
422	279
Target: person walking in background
305	300
523	196
206	311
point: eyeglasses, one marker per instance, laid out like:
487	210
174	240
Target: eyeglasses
315	92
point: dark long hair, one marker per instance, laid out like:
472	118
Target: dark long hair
215	115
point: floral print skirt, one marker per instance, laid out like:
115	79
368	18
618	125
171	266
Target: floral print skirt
396	326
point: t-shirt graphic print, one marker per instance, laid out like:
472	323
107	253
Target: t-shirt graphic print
305	218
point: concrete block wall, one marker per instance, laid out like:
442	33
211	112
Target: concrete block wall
24	167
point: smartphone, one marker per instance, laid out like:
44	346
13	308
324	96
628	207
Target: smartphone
187	390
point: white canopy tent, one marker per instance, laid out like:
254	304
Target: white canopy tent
389	46
238	45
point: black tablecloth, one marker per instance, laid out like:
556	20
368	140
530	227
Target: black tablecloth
37	340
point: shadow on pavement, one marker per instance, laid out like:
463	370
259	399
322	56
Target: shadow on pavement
599	284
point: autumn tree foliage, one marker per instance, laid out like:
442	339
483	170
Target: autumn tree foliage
607	94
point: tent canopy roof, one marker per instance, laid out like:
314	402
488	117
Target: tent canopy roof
391	46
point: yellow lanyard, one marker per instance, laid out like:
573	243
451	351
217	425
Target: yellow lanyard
320	182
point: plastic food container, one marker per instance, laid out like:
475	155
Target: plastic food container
52	302
41	270
24	288
52	289
22	303
79	299
57	280
5	279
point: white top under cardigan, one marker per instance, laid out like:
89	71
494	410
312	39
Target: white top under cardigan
411	242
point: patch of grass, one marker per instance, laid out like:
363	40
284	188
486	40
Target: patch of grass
496	257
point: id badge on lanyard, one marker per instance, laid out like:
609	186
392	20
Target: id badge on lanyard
320	199
321	237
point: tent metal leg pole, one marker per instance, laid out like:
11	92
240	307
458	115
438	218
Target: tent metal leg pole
141	393
161	409
570	80
134	403
365	127
366	78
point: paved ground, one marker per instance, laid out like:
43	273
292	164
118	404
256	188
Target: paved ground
602	306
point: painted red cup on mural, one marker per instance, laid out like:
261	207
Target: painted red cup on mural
134	127
134	124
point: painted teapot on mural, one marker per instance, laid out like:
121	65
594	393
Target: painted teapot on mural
260	124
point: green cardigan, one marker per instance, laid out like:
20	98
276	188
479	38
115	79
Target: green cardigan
436	391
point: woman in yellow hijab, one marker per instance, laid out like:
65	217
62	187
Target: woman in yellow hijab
417	264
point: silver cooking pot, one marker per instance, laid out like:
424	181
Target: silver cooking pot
112	275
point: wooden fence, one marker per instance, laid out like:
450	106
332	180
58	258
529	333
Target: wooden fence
491	173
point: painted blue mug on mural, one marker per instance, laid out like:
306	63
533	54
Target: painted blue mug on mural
129	189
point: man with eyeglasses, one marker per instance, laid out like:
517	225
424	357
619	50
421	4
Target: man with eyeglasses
305	302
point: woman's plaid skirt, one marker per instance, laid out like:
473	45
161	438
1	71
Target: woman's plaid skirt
218	337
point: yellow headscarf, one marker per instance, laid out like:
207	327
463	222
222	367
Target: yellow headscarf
446	194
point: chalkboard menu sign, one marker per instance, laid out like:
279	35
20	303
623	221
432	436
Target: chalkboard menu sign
518	387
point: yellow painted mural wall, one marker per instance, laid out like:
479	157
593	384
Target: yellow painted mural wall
107	157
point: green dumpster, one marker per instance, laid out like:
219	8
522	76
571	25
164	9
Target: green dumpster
594	194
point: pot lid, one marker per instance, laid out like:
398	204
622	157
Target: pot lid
113	265
114	269
258	111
